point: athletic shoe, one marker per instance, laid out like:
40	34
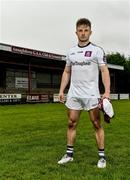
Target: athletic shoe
101	163
65	159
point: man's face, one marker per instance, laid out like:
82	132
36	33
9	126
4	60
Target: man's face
83	33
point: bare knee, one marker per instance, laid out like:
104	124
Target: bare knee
96	124
72	123
95	118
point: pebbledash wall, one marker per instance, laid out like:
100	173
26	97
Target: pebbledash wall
28	75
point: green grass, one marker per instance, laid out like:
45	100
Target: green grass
33	138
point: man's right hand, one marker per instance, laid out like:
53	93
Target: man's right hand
61	97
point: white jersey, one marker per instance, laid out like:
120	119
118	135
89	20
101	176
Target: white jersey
85	62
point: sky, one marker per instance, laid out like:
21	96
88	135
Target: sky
50	25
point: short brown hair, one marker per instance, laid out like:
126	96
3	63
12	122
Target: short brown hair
83	21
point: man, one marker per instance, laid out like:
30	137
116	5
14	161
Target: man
82	67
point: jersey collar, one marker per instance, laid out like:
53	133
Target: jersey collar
84	46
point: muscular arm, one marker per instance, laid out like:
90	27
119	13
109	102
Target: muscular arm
64	81
106	80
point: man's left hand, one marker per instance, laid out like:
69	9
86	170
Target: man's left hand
106	95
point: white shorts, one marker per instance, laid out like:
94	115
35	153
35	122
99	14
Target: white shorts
81	103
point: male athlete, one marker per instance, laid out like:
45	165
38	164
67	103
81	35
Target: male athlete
82	69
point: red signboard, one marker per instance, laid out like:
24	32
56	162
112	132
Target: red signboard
36	53
37	98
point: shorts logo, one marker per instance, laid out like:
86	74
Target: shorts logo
93	105
88	53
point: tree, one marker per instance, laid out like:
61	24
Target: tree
127	75
118	59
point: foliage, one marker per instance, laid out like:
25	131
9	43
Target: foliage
118	59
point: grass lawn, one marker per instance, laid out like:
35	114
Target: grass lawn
33	138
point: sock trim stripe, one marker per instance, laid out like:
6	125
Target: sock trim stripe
101	154
71	149
100	149
70	146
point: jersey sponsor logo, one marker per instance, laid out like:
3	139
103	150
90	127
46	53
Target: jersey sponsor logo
88	53
83	63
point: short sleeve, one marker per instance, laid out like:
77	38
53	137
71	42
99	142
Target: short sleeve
68	63
101	57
